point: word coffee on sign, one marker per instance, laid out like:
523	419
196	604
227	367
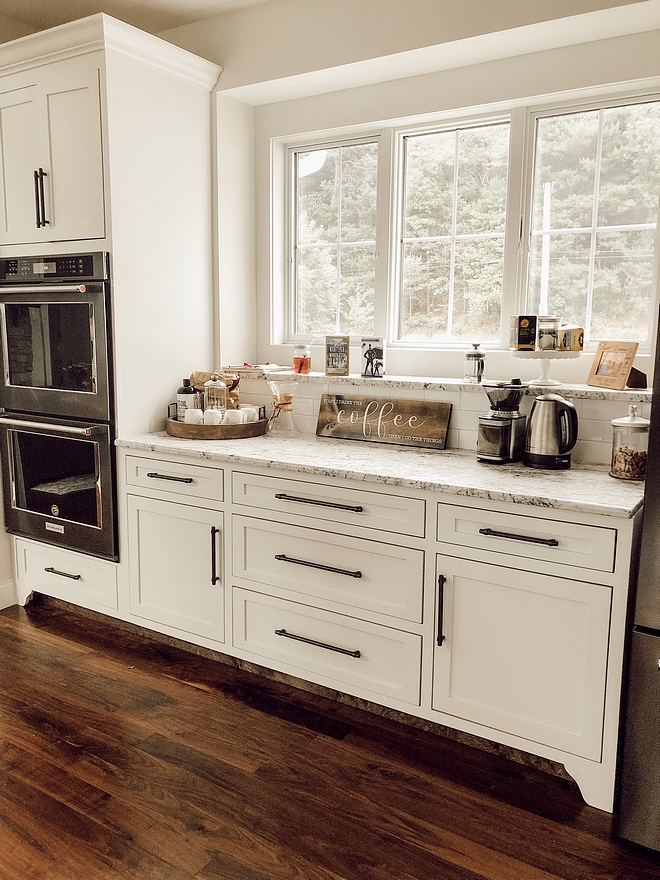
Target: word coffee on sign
402	422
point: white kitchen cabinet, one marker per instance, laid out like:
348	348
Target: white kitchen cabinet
522	653
176	566
51	176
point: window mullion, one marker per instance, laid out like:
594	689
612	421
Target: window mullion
594	227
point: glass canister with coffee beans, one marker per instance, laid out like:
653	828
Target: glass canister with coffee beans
630	443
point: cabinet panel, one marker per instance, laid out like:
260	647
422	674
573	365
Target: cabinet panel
65	575
175	558
336	504
523	653
566	543
371	660
352	572
20	139
182	478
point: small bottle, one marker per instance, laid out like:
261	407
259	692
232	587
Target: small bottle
215	394
186	398
630	443
302	359
474	364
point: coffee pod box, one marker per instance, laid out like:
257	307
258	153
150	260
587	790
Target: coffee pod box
571	338
522	336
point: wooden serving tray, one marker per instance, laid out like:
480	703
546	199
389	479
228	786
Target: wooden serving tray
216	432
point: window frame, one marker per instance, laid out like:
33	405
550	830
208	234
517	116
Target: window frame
522	119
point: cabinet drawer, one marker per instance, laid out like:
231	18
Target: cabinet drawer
337	504
192	480
364	658
83	580
529	537
353	572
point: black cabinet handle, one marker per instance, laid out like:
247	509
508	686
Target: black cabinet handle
155	476
37	200
441	608
353	508
288	635
215	577
64	574
281	557
549	542
40	197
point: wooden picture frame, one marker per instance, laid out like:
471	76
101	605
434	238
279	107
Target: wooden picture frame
337	355
612	365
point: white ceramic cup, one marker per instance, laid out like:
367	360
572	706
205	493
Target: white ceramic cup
233	417
193	417
250	413
213	417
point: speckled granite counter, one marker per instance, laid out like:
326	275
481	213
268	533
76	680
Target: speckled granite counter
582	488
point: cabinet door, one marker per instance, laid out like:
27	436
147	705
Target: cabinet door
21	150
523	653
175	558
51	121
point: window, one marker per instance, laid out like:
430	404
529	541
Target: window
433	238
596	189
452	247
335	239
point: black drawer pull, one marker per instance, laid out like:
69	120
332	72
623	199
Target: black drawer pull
155	476
283	632
549	542
64	574
353	508
441	608
281	557
215	577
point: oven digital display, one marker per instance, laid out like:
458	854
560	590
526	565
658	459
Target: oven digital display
43	268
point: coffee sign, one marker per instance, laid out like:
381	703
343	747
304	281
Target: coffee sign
400	422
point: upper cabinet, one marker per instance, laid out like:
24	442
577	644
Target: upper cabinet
51	172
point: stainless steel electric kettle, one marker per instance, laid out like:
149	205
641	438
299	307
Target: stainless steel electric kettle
552	429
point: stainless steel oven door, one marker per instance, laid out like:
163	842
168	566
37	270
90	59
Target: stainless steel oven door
56	350
58	482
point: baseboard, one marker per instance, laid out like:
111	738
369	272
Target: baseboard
8	594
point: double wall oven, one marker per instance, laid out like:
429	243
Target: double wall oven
57	401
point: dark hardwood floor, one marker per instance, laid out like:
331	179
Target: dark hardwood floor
123	757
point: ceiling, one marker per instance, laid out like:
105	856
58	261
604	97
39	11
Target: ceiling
153	16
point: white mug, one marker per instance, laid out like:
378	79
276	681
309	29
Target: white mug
233	417
212	417
250	413
193	416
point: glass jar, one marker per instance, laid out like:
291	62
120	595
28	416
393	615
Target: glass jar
475	360
215	394
548	333
302	359
630	442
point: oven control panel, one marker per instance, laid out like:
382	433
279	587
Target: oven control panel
64	267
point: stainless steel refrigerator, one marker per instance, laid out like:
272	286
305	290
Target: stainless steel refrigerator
639	778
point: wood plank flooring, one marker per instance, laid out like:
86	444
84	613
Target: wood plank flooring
126	758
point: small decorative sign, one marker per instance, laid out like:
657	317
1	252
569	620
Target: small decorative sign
337	352
400	422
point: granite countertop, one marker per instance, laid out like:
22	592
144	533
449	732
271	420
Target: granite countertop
582	488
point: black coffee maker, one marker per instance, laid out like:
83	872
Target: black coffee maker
501	431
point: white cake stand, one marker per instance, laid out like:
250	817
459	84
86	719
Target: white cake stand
545	357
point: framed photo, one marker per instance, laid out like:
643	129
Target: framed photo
372	356
612	365
337	352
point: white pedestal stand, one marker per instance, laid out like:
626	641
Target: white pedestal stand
545	357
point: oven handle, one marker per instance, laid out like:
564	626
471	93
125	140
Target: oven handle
44	288
85	431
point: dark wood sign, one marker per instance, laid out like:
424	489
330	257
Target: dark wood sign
401	422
